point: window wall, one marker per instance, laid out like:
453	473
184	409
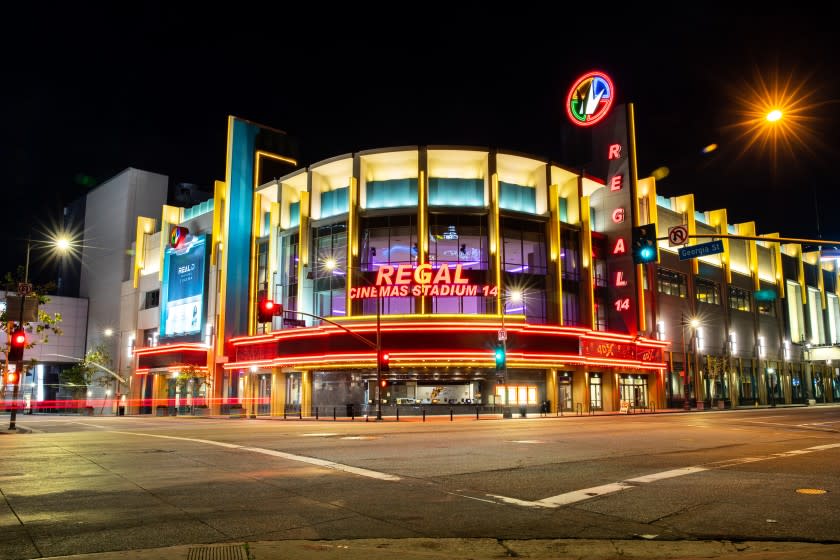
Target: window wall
461	239
387	240
796	317
525	267
672	283
329	243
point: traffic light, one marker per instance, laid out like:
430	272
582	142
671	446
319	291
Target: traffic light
17	343
267	310
383	383
644	244
11	377
384	362
500	357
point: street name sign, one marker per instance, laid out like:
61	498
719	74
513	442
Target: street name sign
694	251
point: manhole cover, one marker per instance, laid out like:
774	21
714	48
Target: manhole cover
218	552
810	491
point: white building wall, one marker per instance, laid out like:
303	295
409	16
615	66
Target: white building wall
111	215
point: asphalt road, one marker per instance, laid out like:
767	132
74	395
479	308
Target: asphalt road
74	485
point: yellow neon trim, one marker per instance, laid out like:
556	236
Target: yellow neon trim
304	243
748	228
259	154
634	200
219	189
170	215
556	245
422	225
586	259
256	211
145	226
224	233
719	221
352	240
495	243
821	280
777	260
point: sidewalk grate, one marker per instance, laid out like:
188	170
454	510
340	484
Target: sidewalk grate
218	552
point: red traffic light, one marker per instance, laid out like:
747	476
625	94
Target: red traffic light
19	338
384	383
384	361
268	308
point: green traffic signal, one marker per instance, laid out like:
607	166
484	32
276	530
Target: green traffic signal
644	244
500	358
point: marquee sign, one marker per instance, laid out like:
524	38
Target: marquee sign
619	351
590	98
421	281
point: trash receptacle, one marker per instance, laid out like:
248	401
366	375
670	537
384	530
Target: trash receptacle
121	411
523	411
350	411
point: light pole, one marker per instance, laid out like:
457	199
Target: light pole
694	323
331	265
19	363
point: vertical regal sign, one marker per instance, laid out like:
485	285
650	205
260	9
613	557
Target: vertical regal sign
613	206
587	105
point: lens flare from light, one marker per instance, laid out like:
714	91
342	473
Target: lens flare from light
774	115
660	173
710	148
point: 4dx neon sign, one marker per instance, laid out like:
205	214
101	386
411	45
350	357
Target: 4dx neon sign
590	98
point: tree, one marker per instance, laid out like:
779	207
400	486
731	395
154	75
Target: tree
39	331
84	374
190	380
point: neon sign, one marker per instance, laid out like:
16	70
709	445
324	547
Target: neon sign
590	98
421	281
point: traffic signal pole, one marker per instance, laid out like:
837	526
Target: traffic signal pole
19	362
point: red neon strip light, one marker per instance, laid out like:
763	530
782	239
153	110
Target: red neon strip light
167	349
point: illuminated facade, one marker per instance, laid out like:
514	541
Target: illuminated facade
444	254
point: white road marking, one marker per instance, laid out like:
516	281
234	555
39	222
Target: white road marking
666	474
299	458
525	441
587	493
318	434
360	437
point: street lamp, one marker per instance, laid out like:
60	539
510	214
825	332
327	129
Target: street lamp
694	324
513	296
62	244
331	265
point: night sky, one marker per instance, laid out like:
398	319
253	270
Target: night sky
88	92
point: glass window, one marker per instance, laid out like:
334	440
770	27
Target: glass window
289	274
387	240
672	283
739	299
833	318
766	307
795	315
151	299
330	244
815	316
525	266
570	254
707	291
461	239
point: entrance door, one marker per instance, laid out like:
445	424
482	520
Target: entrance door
565	396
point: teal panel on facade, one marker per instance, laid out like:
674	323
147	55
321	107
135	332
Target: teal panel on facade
294	214
392	193
238	242
456	192
564	210
663	202
198	209
517	197
334	202
700	217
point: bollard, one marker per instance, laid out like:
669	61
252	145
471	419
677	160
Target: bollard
333	413
316	413
451	417
284	413
476	413
367	416
300	413
424	415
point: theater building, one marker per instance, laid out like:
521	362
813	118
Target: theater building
443	258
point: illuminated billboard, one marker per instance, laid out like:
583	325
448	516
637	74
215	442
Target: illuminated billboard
182	302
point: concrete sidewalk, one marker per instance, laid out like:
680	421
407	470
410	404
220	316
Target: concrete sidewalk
478	549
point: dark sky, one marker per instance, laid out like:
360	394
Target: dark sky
90	91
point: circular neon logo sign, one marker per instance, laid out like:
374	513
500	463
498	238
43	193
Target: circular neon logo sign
590	98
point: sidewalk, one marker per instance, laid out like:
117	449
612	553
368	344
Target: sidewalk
477	549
